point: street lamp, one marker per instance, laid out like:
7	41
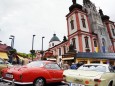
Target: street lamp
32	51
33	41
42	45
12	43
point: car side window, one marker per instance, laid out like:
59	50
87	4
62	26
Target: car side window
48	66
55	66
111	69
52	66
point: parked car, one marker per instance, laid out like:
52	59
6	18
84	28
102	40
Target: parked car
90	75
37	73
3	65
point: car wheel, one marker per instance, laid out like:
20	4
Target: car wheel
17	85
39	82
110	84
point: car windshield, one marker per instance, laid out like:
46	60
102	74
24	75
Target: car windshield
36	64
99	68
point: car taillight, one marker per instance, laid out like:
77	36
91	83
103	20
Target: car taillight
86	82
97	80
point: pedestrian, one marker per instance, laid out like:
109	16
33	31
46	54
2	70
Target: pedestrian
73	66
60	62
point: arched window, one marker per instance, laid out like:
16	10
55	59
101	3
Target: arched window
83	21
52	44
74	43
113	31
64	48
86	42
59	51
72	24
95	42
103	42
103	45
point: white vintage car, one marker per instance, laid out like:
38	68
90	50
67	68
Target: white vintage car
90	75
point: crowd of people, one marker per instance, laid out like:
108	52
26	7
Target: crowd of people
70	66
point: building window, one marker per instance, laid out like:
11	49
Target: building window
52	44
86	42
64	48
72	24
103	45
113	32
103	41
59	51
73	42
83	21
95	43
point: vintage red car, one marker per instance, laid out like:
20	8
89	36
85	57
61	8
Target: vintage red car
37	73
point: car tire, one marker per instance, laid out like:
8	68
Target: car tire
39	82
110	84
17	85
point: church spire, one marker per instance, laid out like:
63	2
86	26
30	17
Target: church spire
75	5
101	12
74	2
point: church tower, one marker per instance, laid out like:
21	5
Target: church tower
97	26
79	32
54	41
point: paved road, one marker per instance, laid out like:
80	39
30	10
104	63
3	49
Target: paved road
6	84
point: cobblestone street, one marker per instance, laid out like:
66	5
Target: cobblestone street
7	84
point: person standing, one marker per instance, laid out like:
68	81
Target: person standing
60	62
73	66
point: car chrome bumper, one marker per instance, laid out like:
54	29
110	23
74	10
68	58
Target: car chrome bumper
66	83
15	82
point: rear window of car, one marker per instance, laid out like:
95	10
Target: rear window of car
93	68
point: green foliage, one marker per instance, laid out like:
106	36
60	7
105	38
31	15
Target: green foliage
26	55
22	54
13	51
32	52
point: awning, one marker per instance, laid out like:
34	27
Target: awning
3	55
53	59
71	58
21	58
110	56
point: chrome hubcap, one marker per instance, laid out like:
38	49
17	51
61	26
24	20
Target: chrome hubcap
39	82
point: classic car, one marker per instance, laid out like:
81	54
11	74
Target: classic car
37	73
3	65
90	75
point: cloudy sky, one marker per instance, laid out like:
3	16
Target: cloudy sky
24	18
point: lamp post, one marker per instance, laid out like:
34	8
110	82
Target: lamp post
12	51
42	45
12	42
32	51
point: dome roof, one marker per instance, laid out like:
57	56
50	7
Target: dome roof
54	38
